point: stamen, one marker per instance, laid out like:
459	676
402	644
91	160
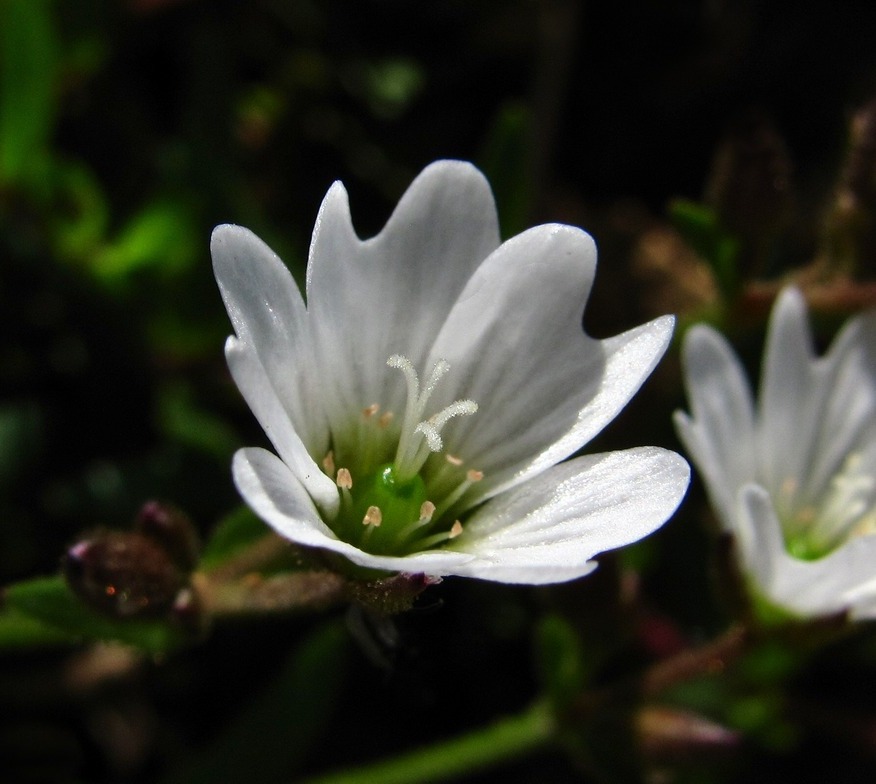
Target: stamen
344	481
385	418
471	476
439	538
427	513
373	517
328	463
371	410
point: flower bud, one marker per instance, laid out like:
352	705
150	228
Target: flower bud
123	574
171	528
668	733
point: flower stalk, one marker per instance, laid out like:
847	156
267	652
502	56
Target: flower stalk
499	743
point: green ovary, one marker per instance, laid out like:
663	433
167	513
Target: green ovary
400	505
804	548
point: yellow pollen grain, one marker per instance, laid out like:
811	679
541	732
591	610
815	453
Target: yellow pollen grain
373	516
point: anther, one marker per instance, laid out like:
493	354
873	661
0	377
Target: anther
426	511
385	418
344	481
453	460
471	476
443	536
373	517
371	410
328	463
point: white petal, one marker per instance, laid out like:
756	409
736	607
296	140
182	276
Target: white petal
789	399
846	386
547	529
840	581
260	396
515	345
390	294
267	312
276	495
719	434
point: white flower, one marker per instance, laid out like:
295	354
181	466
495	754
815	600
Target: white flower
794	480
421	399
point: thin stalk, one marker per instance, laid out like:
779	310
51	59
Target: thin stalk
496	744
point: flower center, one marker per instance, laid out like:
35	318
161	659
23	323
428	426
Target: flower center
390	505
846	511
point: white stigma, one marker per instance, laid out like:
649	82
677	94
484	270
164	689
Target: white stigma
412	451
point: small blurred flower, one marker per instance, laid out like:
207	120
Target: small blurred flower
795	480
421	399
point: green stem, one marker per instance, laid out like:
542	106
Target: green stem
506	739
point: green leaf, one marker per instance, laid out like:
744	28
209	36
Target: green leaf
234	533
79	228
160	238
50	602
701	228
28	57
22	631
392	85
560	660
183	421
506	160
